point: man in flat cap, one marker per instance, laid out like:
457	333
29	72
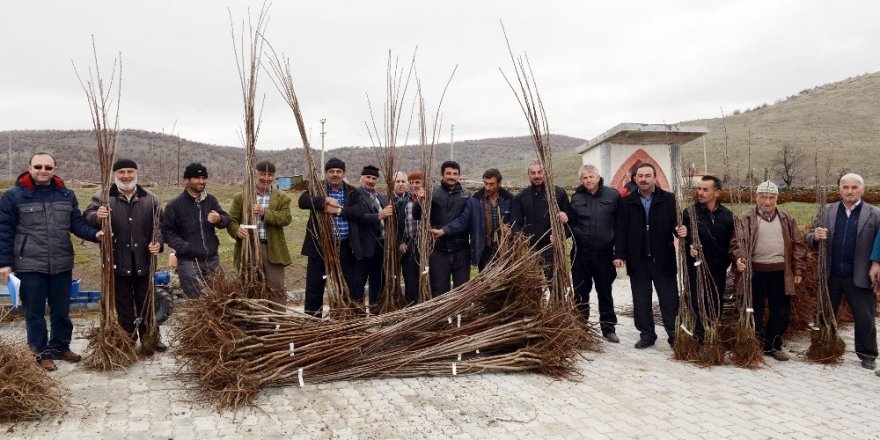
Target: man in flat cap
189	226
272	213
776	254
133	208
339	194
366	215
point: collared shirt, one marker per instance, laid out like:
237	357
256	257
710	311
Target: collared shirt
848	210
646	203
263	200
412	224
494	221
341	223
374	199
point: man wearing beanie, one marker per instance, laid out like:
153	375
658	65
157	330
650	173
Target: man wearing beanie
408	210
132	207
272	213
189	226
339	194
777	256
366	214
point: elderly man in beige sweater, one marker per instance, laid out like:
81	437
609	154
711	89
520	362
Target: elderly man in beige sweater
778	255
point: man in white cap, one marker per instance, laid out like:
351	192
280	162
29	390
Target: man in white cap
778	255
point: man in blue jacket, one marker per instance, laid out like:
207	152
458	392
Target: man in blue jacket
484	216
37	216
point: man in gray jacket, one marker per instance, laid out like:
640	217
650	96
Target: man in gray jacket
37	216
135	212
850	228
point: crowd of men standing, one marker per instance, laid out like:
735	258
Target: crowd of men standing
608	231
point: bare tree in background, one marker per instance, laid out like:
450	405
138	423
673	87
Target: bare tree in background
788	163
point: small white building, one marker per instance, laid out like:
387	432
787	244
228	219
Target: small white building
618	151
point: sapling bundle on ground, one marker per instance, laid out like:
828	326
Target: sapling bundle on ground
397	81
231	346
686	345
826	345
708	312
110	347
324	230
248	51
27	392
529	99
746	350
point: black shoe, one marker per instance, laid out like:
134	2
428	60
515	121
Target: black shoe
161	347
643	343
611	337
869	364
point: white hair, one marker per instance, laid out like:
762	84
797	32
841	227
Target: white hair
591	169
852	176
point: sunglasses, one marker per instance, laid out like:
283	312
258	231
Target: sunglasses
46	167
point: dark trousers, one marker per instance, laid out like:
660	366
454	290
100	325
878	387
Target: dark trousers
36	290
131	299
486	257
667	293
455	264
863	304
194	273
409	263
587	269
369	269
719	278
770	287
315	281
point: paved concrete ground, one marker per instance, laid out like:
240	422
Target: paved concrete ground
623	393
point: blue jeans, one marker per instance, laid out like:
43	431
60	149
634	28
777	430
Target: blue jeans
193	273
36	289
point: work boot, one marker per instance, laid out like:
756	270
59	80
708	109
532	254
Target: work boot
161	347
611	337
869	364
69	356
47	364
779	355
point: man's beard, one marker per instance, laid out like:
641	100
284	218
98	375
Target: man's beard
126	186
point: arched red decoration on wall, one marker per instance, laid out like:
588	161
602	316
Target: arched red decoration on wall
621	177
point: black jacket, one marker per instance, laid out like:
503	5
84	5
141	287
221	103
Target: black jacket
630	233
132	223
592	217
530	213
446	205
364	226
186	229
715	229
316	203
473	220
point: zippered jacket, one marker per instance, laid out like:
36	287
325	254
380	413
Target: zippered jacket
186	229
35	226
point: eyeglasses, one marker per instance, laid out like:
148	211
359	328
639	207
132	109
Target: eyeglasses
46	167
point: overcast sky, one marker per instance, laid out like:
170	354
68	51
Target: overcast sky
597	63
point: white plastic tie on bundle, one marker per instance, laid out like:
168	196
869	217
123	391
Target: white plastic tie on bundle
458	320
277	326
291	349
813	326
247	226
449	319
323	277
300	377
750	310
478	351
698	262
686	330
454	369
459	357
426	270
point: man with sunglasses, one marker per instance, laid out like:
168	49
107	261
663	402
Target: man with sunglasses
37	216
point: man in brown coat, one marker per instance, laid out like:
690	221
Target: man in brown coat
777	253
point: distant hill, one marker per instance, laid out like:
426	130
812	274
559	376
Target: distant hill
843	116
157	154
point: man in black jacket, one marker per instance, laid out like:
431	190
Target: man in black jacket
407	205
530	213
133	208
366	214
339	194
591	217
451	254
644	239
189	226
714	224
484	216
